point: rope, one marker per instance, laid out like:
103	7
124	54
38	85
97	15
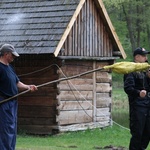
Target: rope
54	81
37	71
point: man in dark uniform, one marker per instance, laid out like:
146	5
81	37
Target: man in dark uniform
9	86
137	87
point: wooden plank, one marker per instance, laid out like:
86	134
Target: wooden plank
83	126
35	73
103	112
103	77
102	103
42	92
95	49
37	101
80	63
38	129
69	74
105	40
69	86
28	70
37	121
73	117
79	35
79	81
103	95
103	120
94	92
36	111
71	38
102	64
91	28
82	32
103	100
87	30
74	70
76	46
72	42
75	95
103	87
75	105
63	38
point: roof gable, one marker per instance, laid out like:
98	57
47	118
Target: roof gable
42	26
90	35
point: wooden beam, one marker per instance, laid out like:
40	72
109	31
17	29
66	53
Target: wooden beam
74	117
87	58
94	93
73	19
84	126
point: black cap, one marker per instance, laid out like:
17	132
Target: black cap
140	51
8	48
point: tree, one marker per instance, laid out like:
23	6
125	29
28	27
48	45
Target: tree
135	13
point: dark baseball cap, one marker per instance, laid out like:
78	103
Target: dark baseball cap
8	48
140	51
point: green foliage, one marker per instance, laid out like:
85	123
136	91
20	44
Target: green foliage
131	21
115	3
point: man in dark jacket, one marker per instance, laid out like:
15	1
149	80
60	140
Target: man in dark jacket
137	87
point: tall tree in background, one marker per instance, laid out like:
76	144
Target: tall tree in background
136	15
134	11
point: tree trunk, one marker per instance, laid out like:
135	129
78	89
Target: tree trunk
129	26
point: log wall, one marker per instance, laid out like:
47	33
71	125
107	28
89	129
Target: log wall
37	110
84	100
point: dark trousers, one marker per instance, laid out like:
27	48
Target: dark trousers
8	125
139	127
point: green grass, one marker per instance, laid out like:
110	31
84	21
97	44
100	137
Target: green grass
81	140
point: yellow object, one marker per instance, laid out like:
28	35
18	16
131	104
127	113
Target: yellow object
127	67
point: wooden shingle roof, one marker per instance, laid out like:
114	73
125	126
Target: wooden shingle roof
35	26
41	26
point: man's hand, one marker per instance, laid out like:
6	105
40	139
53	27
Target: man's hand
143	93
33	88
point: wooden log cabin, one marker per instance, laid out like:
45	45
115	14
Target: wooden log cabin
57	39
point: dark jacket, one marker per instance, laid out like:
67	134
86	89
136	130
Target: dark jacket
133	84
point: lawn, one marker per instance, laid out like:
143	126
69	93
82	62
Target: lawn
81	140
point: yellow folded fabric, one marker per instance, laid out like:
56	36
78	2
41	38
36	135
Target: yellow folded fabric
127	67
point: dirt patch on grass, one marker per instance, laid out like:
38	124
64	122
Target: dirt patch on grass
110	147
